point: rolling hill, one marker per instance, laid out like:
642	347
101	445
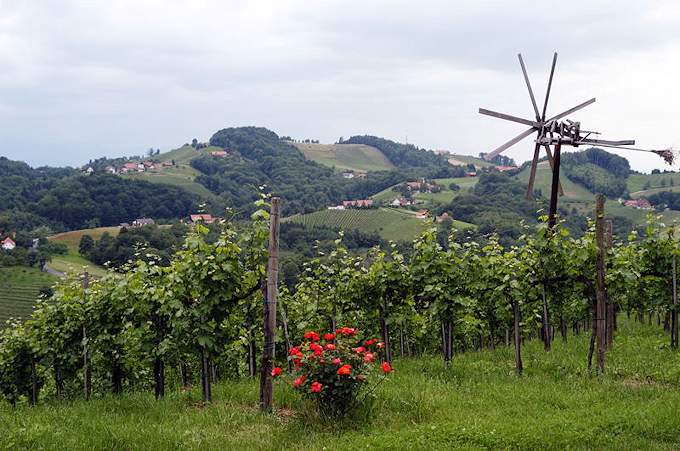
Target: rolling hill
352	157
72	261
460	160
390	223
430	200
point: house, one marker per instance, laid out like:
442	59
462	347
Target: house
641	203
89	170
127	167
505	168
8	244
204	218
443	217
125	225
140	222
141	167
441	152
413	186
471	174
219	153
362	203
400	202
360	175
337	207
149	165
422	214
110	169
348	175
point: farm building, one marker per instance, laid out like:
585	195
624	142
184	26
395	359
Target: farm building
139	222
8	244
361	203
422	214
203	218
641	203
219	153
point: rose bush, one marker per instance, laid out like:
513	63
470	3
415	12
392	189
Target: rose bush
336	370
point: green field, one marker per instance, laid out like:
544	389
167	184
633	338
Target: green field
445	196
477	403
354	157
459	160
637	182
389	223
19	289
73	262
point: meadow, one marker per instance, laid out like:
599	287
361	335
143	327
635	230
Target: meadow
477	403
353	157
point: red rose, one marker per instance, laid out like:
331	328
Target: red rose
336	361
299	381
315	387
368	357
329	337
380	345
330	347
386	367
346	331
297	362
370	342
359	350
294	350
312	336
345	370
276	371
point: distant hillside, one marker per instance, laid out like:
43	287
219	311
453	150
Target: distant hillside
352	157
464	160
19	289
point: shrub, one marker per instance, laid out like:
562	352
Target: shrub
336	369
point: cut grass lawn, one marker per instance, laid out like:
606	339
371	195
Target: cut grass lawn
19	289
353	157
477	403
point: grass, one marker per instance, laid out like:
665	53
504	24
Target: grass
637	182
445	196
72	239
73	261
19	289
477	403
389	223
460	160
354	157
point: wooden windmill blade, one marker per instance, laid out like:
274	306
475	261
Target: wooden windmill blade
509	144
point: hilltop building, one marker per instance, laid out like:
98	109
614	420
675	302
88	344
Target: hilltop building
8	244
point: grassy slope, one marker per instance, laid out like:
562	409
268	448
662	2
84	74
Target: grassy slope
442	197
467	159
578	197
73	261
389	223
181	175
19	288
637	182
355	157
476	404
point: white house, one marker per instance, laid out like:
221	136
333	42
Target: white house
8	244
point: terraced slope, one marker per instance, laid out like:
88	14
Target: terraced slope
353	157
19	289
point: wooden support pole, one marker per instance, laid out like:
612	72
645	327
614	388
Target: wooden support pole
674	311
600	290
87	371
266	386
611	312
554	193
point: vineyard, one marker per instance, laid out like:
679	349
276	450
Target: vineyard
548	327
389	223
19	290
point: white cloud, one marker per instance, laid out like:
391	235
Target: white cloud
85	79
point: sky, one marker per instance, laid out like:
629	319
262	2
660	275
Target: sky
86	79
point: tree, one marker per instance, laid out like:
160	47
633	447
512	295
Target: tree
86	245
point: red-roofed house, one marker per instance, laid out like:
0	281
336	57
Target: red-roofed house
8	244
204	218
218	153
641	203
506	168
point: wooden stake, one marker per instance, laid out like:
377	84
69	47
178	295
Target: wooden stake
674	312
87	372
609	242
266	386
554	193
600	289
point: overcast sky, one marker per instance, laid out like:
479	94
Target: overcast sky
80	80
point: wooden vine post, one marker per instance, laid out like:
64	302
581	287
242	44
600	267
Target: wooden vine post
611	312
266	385
600	289
674	310
87	371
